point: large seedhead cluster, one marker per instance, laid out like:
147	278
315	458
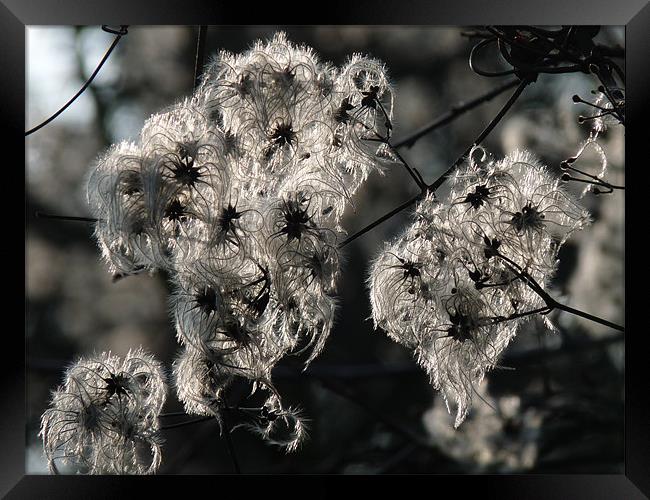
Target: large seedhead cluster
456	285
237	192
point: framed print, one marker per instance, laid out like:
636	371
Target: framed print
388	241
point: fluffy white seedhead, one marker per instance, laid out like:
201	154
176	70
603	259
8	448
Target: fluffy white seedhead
104	418
456	285
300	120
238	193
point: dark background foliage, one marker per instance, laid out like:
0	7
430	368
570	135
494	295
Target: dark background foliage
555	405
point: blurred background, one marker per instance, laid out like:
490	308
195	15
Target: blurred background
556	405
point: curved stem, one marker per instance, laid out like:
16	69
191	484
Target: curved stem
472	64
118	37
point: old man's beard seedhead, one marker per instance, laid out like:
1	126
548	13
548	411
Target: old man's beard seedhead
104	418
456	285
238	192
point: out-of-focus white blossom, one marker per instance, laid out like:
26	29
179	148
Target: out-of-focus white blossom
104	418
498	437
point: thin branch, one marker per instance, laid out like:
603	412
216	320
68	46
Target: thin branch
227	428
43	215
599	182
417	177
440	180
455	112
118	36
595	62
607	84
551	303
591	317
539	310
200	54
482	136
383	218
186	422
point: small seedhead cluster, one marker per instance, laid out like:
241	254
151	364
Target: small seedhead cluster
104	418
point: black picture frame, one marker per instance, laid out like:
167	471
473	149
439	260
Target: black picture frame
634	14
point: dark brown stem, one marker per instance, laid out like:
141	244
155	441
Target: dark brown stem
551	302
42	215
200	54
227	428
184	423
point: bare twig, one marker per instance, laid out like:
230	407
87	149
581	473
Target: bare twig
43	215
551	303
184	423
455	112
200	54
118	36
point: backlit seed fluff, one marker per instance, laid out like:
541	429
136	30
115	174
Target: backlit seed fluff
238	192
104	418
454	286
